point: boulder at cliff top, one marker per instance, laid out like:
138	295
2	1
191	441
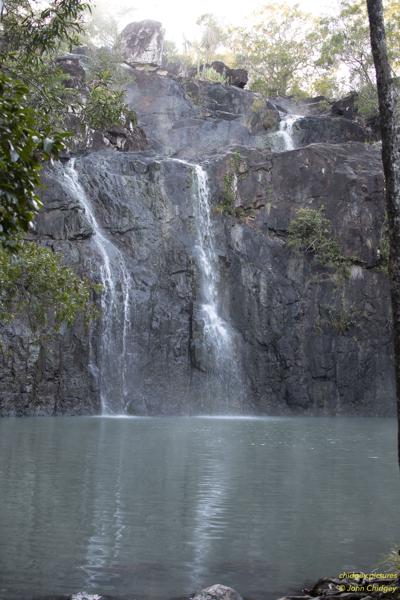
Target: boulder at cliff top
142	42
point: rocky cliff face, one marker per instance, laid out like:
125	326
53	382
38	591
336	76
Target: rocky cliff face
306	341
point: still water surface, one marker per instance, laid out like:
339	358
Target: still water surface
160	507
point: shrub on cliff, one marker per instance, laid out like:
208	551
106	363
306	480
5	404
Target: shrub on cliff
34	284
311	233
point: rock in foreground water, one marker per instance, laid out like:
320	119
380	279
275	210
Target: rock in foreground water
217	592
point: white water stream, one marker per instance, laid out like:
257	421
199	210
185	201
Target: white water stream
115	305
286	130
225	384
216	329
284	139
224	380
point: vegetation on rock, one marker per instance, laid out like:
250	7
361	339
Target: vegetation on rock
34	284
23	148
310	232
33	130
105	106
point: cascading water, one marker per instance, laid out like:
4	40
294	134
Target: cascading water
115	304
216	329
225	386
283	139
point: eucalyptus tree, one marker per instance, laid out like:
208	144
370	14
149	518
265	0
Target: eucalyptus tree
390	128
278	48
346	50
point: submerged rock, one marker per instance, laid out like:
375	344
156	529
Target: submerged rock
217	592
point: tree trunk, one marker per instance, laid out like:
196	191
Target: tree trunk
391	166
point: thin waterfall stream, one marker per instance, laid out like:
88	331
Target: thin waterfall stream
284	139
115	305
225	384
216	329
286	130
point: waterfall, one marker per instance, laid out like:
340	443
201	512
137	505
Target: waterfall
216	329
286	131
115	305
283	139
225	382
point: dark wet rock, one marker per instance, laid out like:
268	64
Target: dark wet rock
174	111
309	341
373	125
119	138
142	42
346	107
81	51
304	322
319	105
236	77
217	592
310	130
71	66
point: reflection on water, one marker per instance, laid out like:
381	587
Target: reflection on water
161	507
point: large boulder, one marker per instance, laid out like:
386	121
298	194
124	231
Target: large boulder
236	77
142	42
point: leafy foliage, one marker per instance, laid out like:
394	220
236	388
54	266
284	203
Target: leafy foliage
31	33
212	37
32	131
34	283
36	106
101	28
229	192
28	136
22	150
105	106
346	48
201	51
